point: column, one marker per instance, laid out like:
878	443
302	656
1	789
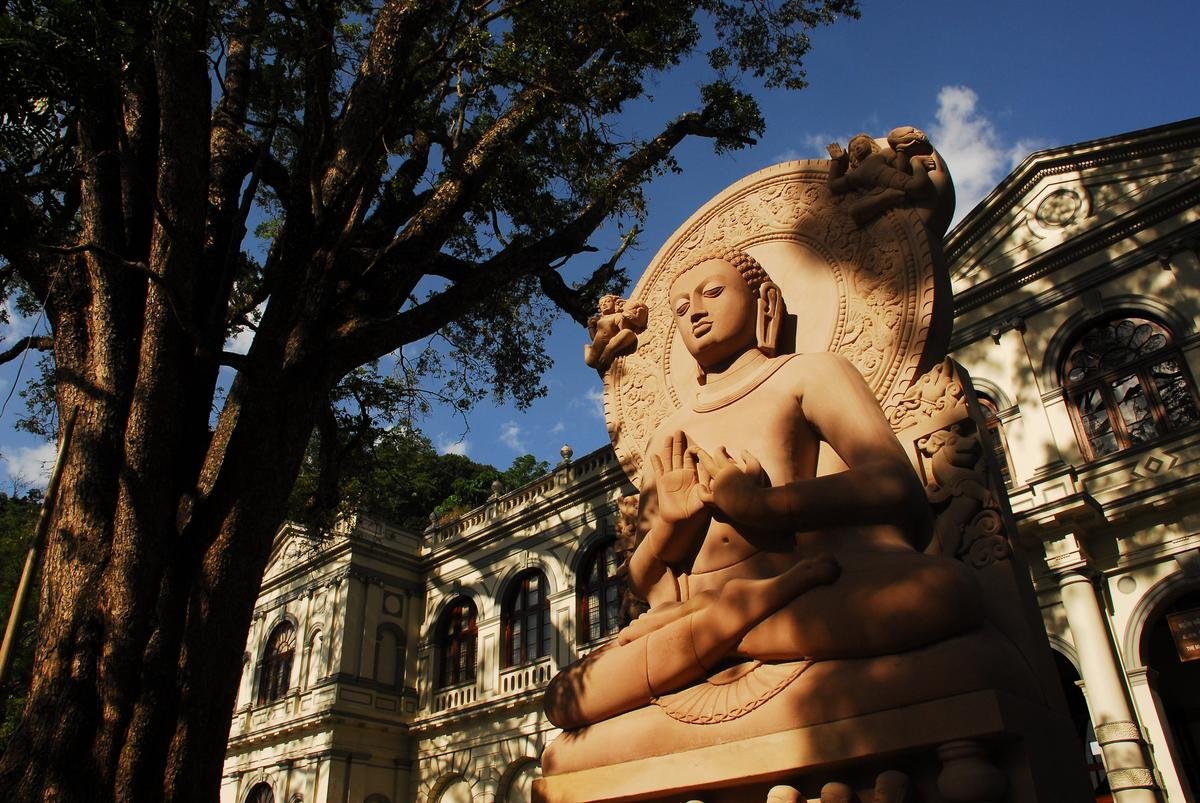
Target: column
1125	759
1154	724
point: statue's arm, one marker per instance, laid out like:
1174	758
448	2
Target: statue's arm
650	576
879	487
674	517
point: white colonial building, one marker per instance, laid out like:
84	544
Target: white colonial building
1077	296
327	699
384	666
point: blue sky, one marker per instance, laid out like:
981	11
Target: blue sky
990	83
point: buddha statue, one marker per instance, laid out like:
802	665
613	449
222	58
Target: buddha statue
747	555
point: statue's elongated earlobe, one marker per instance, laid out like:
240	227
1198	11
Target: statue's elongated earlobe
770	318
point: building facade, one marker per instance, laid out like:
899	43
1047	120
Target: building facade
1077	295
326	703
418	662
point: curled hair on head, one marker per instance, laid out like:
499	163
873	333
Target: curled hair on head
752	273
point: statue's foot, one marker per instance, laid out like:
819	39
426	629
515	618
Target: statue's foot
744	603
662	615
760	598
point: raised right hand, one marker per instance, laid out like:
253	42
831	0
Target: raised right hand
677	481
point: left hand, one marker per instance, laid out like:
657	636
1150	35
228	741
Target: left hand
733	487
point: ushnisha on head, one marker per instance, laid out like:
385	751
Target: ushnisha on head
724	304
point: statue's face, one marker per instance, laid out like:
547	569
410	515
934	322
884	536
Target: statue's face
715	311
860	148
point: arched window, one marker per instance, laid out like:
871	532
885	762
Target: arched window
389	655
995	438
526	620
260	793
1127	385
599	594
276	671
456	644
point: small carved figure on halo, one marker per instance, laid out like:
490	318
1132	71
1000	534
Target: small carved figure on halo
884	178
755	558
614	330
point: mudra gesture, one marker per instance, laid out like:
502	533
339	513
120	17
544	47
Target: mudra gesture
747	553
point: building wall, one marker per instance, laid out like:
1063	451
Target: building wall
339	732
1077	236
482	737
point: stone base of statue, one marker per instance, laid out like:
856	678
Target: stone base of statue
957	718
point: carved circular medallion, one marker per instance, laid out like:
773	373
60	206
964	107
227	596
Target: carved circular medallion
1059	208
866	292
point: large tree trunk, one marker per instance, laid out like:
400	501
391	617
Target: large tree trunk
138	662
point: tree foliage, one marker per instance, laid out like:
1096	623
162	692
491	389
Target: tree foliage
401	477
18	516
333	181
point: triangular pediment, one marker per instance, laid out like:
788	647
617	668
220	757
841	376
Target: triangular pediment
294	549
1057	196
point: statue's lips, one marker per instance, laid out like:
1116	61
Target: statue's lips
701	328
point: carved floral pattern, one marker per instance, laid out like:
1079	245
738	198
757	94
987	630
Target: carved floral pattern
937	391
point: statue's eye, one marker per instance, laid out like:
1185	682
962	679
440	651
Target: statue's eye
714	291
682	309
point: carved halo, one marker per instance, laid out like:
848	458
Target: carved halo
864	292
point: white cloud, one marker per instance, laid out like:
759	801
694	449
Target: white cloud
973	149
1024	147
450	445
558	428
510	436
31	464
595	402
239	342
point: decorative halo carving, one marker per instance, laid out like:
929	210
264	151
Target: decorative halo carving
865	292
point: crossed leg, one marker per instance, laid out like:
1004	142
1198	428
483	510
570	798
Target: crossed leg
684	644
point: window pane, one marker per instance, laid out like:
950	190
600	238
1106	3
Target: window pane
1135	409
593	615
1175	394
612	609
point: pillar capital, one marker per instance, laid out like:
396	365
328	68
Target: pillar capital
1067	558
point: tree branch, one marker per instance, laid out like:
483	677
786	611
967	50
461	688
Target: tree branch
365	339
38	342
580	303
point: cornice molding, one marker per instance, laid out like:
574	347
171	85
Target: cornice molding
1085	245
1071	158
1061	292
